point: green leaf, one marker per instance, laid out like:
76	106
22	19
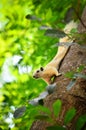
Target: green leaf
70	74
32	17
80	68
44	109
55	128
71	84
57	107
80	75
19	112
74	30
52	78
33	112
42	117
49	14
69	115
55	33
81	122
51	88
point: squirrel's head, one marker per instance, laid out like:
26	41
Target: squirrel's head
38	73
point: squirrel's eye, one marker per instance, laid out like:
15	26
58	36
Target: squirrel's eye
41	68
37	71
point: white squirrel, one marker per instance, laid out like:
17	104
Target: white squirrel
51	69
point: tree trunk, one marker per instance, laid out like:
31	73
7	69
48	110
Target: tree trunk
76	96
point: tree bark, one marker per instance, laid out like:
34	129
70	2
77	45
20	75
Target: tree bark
76	96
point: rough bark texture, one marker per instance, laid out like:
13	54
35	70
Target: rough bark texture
75	97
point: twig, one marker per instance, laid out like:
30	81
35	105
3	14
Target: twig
79	18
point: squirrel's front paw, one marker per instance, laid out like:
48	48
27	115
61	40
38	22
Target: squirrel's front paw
59	74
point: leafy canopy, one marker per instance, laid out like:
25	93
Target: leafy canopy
23	48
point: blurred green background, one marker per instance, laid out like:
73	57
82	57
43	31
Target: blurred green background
24	47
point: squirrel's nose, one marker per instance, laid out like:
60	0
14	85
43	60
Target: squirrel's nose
34	76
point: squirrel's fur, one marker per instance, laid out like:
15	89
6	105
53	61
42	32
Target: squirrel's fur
51	69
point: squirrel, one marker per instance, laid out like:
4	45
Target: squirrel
52	68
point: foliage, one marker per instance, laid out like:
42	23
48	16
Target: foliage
69	115
73	75
44	113
81	122
55	128
24	46
57	108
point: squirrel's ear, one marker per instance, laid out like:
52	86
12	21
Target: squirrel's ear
41	68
